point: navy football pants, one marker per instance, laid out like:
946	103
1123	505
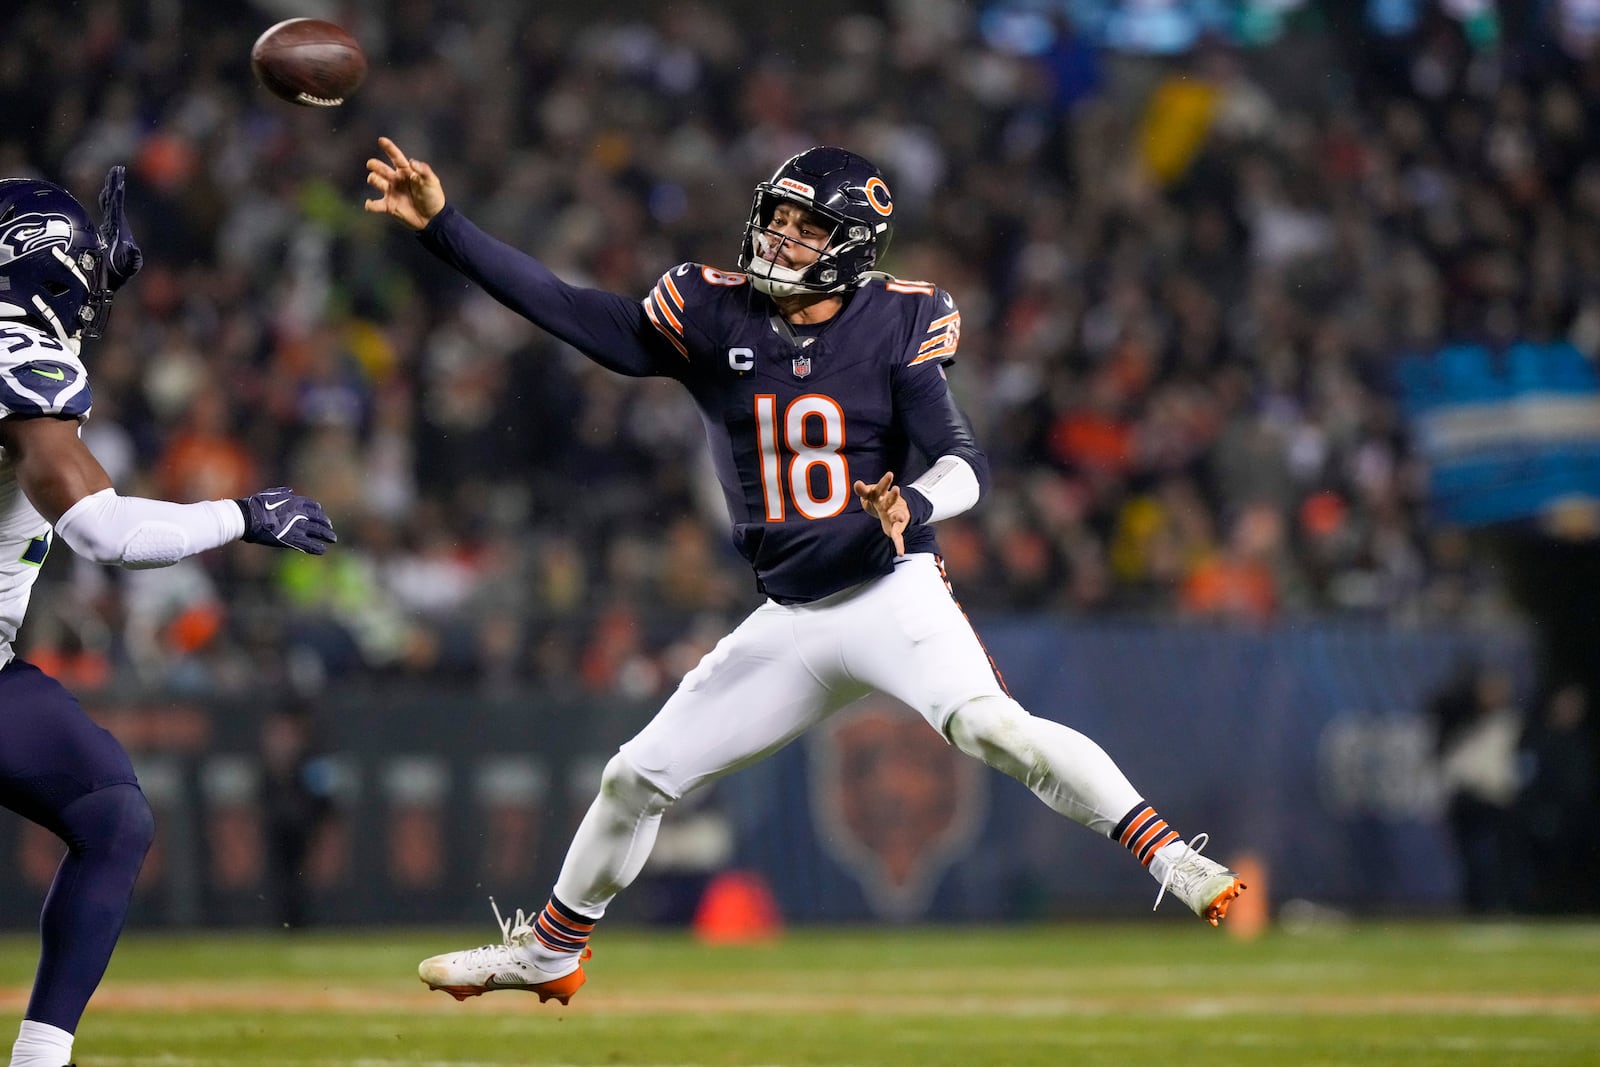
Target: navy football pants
69	775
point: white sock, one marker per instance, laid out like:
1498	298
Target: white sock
41	1045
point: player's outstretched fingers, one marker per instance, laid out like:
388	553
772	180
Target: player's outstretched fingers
392	150
893	524
866	494
872	495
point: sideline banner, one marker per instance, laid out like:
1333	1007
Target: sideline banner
1304	746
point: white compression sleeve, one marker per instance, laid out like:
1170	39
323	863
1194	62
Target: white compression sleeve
950	485
136	532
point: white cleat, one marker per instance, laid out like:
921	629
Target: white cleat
508	965
1205	885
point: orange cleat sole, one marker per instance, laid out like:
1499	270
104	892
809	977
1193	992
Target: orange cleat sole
558	989
1218	909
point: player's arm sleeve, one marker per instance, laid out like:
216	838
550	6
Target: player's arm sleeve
940	430
610	329
959	475
42	402
139	533
950	487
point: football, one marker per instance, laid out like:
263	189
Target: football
309	62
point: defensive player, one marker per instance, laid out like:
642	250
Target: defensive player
57	768
814	374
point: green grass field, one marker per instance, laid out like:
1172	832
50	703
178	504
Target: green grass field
1154	993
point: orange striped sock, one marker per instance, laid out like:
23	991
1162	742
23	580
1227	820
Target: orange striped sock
1143	832
561	930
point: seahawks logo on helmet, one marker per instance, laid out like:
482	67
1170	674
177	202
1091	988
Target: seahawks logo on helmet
52	260
29	233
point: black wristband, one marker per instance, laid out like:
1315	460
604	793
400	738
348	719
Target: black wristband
921	507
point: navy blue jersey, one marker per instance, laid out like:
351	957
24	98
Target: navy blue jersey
793	415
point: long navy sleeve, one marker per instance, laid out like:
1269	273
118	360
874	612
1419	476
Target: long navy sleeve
612	330
938	427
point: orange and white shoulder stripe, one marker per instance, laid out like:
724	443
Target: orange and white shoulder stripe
944	334
664	305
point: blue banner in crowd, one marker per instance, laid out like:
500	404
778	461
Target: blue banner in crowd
1507	436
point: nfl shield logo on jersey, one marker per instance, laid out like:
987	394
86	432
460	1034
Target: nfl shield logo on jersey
802	366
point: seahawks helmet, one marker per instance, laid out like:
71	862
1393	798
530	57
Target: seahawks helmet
842	191
52	261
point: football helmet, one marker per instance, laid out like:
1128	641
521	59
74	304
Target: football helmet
843	191
52	260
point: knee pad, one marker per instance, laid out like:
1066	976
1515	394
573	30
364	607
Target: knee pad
996	730
114	819
987	721
623	783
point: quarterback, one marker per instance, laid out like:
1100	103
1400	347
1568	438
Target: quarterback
58	271
821	384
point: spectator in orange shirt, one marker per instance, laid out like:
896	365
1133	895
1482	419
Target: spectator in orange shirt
1239	582
205	460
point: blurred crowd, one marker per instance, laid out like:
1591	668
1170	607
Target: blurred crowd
1184	281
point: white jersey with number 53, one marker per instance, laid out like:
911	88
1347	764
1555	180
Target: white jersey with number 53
39	376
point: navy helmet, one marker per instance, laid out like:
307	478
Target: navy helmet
839	189
52	260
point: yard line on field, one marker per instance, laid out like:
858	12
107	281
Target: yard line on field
187	1061
303	998
1218	1039
1496	937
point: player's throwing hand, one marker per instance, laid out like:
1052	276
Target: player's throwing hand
884	503
408	189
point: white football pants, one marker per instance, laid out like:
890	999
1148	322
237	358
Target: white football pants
785	669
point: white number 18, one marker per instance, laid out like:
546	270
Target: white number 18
812	436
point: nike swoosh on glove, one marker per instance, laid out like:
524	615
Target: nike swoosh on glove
123	256
281	519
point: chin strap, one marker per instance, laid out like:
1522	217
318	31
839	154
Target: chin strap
43	311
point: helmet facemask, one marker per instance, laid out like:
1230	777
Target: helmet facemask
827	274
87	267
839	192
